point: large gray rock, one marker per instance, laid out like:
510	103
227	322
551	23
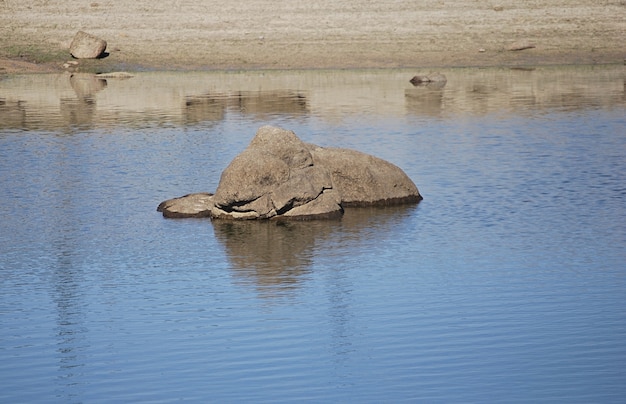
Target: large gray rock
274	175
87	46
365	180
280	177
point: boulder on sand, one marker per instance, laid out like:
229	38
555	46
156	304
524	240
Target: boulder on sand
278	176
87	46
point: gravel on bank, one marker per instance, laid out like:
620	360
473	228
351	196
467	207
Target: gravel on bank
254	34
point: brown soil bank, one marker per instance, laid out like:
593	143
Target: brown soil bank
249	34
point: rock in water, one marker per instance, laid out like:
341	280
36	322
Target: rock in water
278	176
192	205
272	176
365	180
435	79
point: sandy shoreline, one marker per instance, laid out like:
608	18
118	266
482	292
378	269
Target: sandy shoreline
264	34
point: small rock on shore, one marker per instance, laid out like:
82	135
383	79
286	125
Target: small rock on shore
87	46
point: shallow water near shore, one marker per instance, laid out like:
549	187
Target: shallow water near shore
506	283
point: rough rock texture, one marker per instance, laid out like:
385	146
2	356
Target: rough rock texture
274	175
280	177
87	46
365	180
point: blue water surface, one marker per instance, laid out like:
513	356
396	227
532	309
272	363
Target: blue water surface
507	283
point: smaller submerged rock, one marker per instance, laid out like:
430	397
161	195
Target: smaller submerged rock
115	75
192	205
437	79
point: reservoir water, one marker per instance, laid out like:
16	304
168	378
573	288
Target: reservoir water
507	283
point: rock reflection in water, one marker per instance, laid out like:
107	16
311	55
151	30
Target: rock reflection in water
80	111
261	104
31	102
486	91
427	100
272	256
276	256
14	113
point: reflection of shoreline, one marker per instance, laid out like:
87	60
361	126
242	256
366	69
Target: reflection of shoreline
275	257
32	101
485	91
261	104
